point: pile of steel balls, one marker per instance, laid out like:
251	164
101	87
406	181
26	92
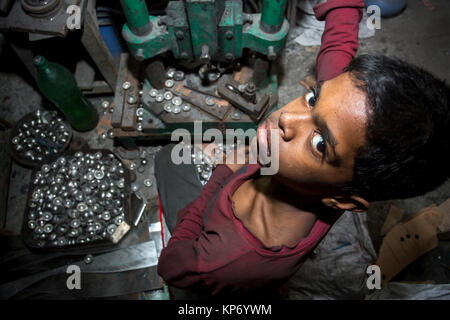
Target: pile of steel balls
175	104
204	164
172	103
44	134
77	199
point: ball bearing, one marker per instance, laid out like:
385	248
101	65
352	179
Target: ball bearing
74	197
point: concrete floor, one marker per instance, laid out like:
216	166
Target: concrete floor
419	35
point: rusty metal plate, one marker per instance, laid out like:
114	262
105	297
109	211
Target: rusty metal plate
220	109
124	115
254	110
244	75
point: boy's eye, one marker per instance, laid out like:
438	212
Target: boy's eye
319	143
311	98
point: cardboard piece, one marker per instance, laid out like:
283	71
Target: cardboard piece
407	241
395	216
445	209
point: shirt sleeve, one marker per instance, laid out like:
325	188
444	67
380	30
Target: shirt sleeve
208	263
340	37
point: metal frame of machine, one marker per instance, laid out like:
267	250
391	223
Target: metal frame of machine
203	36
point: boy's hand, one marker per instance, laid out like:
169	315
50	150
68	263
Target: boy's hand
232	160
308	83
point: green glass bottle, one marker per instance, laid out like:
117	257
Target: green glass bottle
59	86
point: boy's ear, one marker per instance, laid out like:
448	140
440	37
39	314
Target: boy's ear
351	203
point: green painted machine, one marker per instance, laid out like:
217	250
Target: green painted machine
205	30
229	50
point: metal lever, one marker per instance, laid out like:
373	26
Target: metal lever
141	208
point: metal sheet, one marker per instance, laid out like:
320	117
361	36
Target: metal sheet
135	257
139	256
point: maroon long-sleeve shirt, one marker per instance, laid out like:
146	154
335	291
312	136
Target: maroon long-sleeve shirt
210	248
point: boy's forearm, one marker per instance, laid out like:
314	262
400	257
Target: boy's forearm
340	37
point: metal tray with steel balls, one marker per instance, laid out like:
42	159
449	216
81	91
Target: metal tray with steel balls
38	137
77	200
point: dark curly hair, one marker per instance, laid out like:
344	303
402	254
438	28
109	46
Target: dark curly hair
408	134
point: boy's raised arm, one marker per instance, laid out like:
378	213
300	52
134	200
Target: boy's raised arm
340	37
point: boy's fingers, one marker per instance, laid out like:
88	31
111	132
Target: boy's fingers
308	83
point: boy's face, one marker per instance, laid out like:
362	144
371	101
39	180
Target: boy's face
318	141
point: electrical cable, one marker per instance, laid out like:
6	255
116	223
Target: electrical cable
161	221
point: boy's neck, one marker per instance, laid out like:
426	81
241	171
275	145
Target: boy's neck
269	213
285	198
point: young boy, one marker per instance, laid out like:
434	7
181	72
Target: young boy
378	131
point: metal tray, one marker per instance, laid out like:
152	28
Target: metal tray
25	161
27	233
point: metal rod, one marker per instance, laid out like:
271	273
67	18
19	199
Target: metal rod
137	16
272	15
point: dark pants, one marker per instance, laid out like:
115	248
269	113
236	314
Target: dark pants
178	185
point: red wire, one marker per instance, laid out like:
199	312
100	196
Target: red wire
171	297
161	220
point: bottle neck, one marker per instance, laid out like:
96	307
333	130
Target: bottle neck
40	63
43	67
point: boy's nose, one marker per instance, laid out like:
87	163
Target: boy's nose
292	123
